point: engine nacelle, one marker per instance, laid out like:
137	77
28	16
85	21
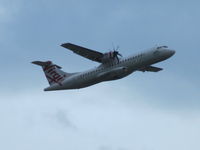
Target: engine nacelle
110	56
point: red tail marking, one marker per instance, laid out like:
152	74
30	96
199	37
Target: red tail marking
54	80
53	75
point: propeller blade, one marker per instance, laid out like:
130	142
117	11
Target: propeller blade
120	54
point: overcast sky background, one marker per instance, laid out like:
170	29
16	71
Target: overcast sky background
145	111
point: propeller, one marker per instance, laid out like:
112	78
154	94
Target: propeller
112	54
116	52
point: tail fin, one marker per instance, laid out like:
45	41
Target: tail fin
52	72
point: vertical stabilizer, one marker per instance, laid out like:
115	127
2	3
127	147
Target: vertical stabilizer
53	72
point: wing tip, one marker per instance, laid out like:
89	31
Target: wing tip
65	45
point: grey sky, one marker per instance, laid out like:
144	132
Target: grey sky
145	111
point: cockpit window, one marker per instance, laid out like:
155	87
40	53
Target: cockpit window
159	47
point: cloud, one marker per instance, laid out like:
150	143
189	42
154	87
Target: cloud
109	148
9	10
9	15
2	12
62	118
103	121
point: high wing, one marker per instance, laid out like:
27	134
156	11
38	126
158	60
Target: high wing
150	68
85	52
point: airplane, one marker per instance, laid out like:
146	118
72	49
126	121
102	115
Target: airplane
112	67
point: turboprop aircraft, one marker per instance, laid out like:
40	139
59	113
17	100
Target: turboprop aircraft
112	67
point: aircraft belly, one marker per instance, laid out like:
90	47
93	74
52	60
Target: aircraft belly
116	77
116	73
80	82
90	81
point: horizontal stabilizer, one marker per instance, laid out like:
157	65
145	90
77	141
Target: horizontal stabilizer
40	63
46	63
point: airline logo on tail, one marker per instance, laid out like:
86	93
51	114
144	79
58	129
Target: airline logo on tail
52	72
53	75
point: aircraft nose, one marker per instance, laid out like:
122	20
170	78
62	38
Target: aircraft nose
171	52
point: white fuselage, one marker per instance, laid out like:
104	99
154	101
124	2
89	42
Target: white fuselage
113	70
